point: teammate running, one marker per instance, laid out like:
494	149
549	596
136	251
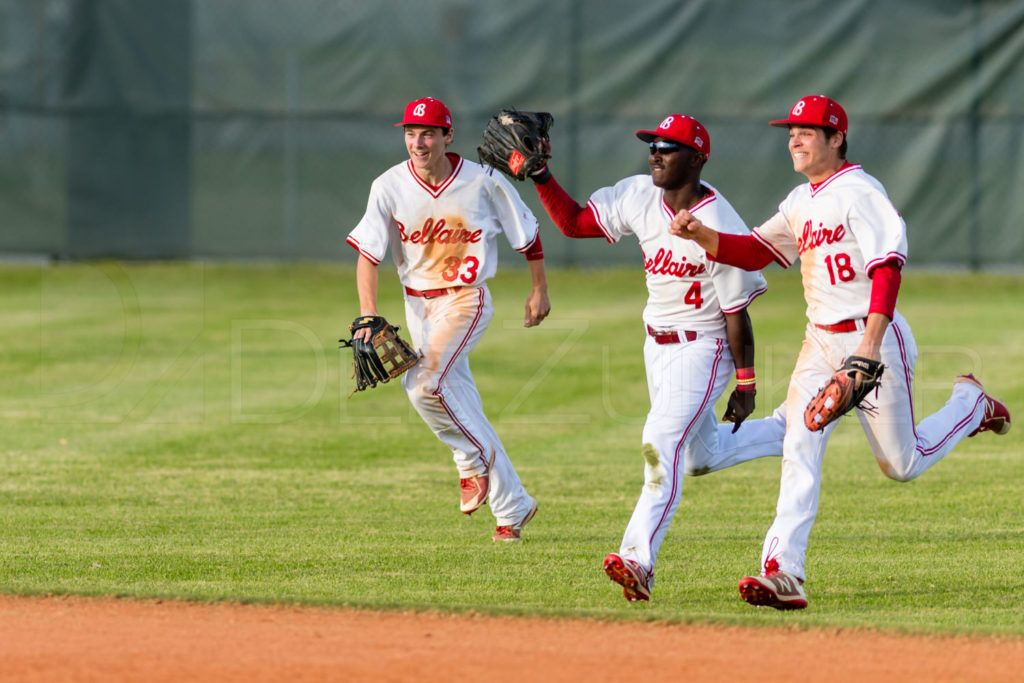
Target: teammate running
698	331
852	244
441	215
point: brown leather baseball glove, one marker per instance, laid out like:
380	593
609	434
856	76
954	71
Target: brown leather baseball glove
843	392
381	359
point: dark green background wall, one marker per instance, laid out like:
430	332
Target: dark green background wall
253	128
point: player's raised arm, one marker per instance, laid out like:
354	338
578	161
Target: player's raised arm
520	140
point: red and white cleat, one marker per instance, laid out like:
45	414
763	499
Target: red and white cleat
997	415
634	579
777	588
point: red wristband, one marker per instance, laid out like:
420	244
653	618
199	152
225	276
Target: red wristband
745	379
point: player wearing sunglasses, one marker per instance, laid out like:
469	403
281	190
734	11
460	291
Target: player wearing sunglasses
698	333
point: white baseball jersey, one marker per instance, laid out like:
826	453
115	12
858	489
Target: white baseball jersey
686	290
443	236
840	229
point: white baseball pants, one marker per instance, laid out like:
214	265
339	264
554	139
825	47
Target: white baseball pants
903	451
445	330
682	435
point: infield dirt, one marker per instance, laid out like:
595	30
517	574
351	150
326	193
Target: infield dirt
85	639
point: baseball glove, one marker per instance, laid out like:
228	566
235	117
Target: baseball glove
382	358
513	142
843	392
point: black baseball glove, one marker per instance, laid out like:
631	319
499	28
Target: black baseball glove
843	392
513	142
382	358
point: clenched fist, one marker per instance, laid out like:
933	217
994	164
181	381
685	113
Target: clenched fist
685	225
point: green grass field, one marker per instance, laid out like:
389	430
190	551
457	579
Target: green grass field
184	431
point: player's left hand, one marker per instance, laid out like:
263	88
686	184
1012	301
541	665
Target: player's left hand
843	392
741	405
869	352
537	307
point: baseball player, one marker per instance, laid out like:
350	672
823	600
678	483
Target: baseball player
852	244
441	215
697	326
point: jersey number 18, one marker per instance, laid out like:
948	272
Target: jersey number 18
840	266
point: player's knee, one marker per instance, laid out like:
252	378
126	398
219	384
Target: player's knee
696	470
419	388
698	456
895	471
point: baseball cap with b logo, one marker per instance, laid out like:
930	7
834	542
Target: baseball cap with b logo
815	110
683	129
426	111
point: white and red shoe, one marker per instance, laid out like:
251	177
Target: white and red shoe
474	490
776	588
997	415
514	532
634	579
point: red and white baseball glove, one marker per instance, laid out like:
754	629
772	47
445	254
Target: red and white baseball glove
844	391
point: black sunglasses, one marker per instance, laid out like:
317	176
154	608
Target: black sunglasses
664	146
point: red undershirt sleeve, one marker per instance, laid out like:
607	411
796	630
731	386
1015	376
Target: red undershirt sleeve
885	287
535	251
742	251
571	218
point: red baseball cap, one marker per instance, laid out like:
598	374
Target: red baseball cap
426	111
683	129
815	110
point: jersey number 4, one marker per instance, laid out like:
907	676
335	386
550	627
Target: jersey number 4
693	296
839	266
454	270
